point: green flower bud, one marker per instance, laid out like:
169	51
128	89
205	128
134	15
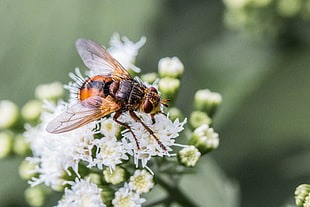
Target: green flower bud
59	185
25	170
115	176
51	91
260	3
32	110
20	146
169	87
6	143
199	118
94	178
236	4
205	139
289	8
170	67
207	101
189	156
302	196
175	113
8	114
149	77
36	196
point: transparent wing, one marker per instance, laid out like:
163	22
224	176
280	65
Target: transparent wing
82	113
99	60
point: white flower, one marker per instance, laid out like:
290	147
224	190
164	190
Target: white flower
125	52
164	129
205	95
82	194
115	176
109	153
170	67
54	154
205	138
109	128
189	156
125	197
141	181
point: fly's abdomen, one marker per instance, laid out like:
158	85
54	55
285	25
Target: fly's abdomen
95	86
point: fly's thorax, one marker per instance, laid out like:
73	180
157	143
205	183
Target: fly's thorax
127	92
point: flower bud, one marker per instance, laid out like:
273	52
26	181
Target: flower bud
94	178
8	114
189	156
302	196
36	196
289	8
6	142
32	110
51	91
20	146
235	4
109	128
175	113
205	139
207	101
58	185
141	181
170	67
149	77
115	176
199	118
25	170
169	87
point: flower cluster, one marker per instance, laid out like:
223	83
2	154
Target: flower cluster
259	17
100	163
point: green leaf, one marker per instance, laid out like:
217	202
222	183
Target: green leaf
209	186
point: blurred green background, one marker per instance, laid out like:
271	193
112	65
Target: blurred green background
265	82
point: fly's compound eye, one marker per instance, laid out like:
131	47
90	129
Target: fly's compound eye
147	106
152	89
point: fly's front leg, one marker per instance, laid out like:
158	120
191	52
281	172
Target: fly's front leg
136	118
115	117
153	116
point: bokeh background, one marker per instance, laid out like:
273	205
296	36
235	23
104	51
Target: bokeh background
257	56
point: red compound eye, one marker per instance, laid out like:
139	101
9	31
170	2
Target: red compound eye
147	106
152	89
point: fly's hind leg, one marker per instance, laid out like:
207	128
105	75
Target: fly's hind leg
115	117
136	118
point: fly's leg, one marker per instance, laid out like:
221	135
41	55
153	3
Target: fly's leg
153	116
115	117
136	118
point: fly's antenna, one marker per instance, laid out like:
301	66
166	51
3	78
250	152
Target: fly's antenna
163	102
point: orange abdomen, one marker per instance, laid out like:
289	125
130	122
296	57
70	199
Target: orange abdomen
95	86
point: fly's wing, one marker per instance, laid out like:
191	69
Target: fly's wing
82	113
99	60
